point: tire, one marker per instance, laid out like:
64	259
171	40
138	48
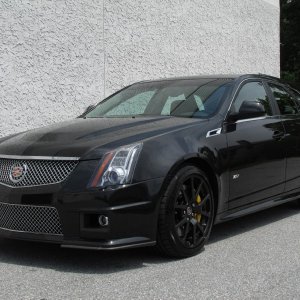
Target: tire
185	217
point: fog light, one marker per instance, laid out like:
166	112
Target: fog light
103	220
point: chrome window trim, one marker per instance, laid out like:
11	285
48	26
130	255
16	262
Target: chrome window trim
251	119
52	158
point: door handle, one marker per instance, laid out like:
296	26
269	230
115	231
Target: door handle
278	135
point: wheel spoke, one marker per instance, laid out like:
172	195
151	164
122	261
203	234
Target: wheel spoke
194	234
181	206
200	228
205	214
193	193
182	222
186	230
197	209
204	200
186	197
199	188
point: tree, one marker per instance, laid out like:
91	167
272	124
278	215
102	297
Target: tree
290	40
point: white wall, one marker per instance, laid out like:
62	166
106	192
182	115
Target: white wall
273	2
56	57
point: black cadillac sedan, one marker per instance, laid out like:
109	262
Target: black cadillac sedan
157	163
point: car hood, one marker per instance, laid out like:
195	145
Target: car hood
89	138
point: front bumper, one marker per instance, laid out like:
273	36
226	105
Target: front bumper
131	210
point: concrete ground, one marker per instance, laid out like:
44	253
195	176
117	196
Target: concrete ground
255	257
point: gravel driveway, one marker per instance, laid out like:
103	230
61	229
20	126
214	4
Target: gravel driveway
255	257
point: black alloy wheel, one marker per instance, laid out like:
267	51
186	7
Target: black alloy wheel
186	214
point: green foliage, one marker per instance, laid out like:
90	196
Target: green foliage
290	40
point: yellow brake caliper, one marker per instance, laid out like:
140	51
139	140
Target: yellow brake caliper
198	216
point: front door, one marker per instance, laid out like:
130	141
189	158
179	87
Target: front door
256	150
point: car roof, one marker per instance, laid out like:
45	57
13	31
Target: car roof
217	76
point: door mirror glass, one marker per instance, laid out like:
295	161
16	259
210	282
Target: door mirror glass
252	109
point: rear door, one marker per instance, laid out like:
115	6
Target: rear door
256	150
289	111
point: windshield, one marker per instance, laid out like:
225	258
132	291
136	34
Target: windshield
181	98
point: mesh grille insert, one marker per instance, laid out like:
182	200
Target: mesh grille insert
29	218
38	172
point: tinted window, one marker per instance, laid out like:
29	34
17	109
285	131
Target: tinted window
252	91
297	94
133	106
285	101
195	98
171	103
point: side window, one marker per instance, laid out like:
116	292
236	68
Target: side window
285	101
252	91
297	94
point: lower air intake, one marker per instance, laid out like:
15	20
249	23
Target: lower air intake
29	218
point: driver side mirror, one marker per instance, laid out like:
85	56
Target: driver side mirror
248	109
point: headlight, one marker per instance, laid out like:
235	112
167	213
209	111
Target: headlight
116	167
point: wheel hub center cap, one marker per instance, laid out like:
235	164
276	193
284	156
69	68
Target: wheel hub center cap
189	211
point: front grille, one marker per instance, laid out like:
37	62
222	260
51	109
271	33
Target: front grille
38	172
29	218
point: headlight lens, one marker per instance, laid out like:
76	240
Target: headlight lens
116	167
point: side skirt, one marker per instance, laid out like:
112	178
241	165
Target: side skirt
255	207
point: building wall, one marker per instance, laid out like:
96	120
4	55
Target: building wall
57	57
